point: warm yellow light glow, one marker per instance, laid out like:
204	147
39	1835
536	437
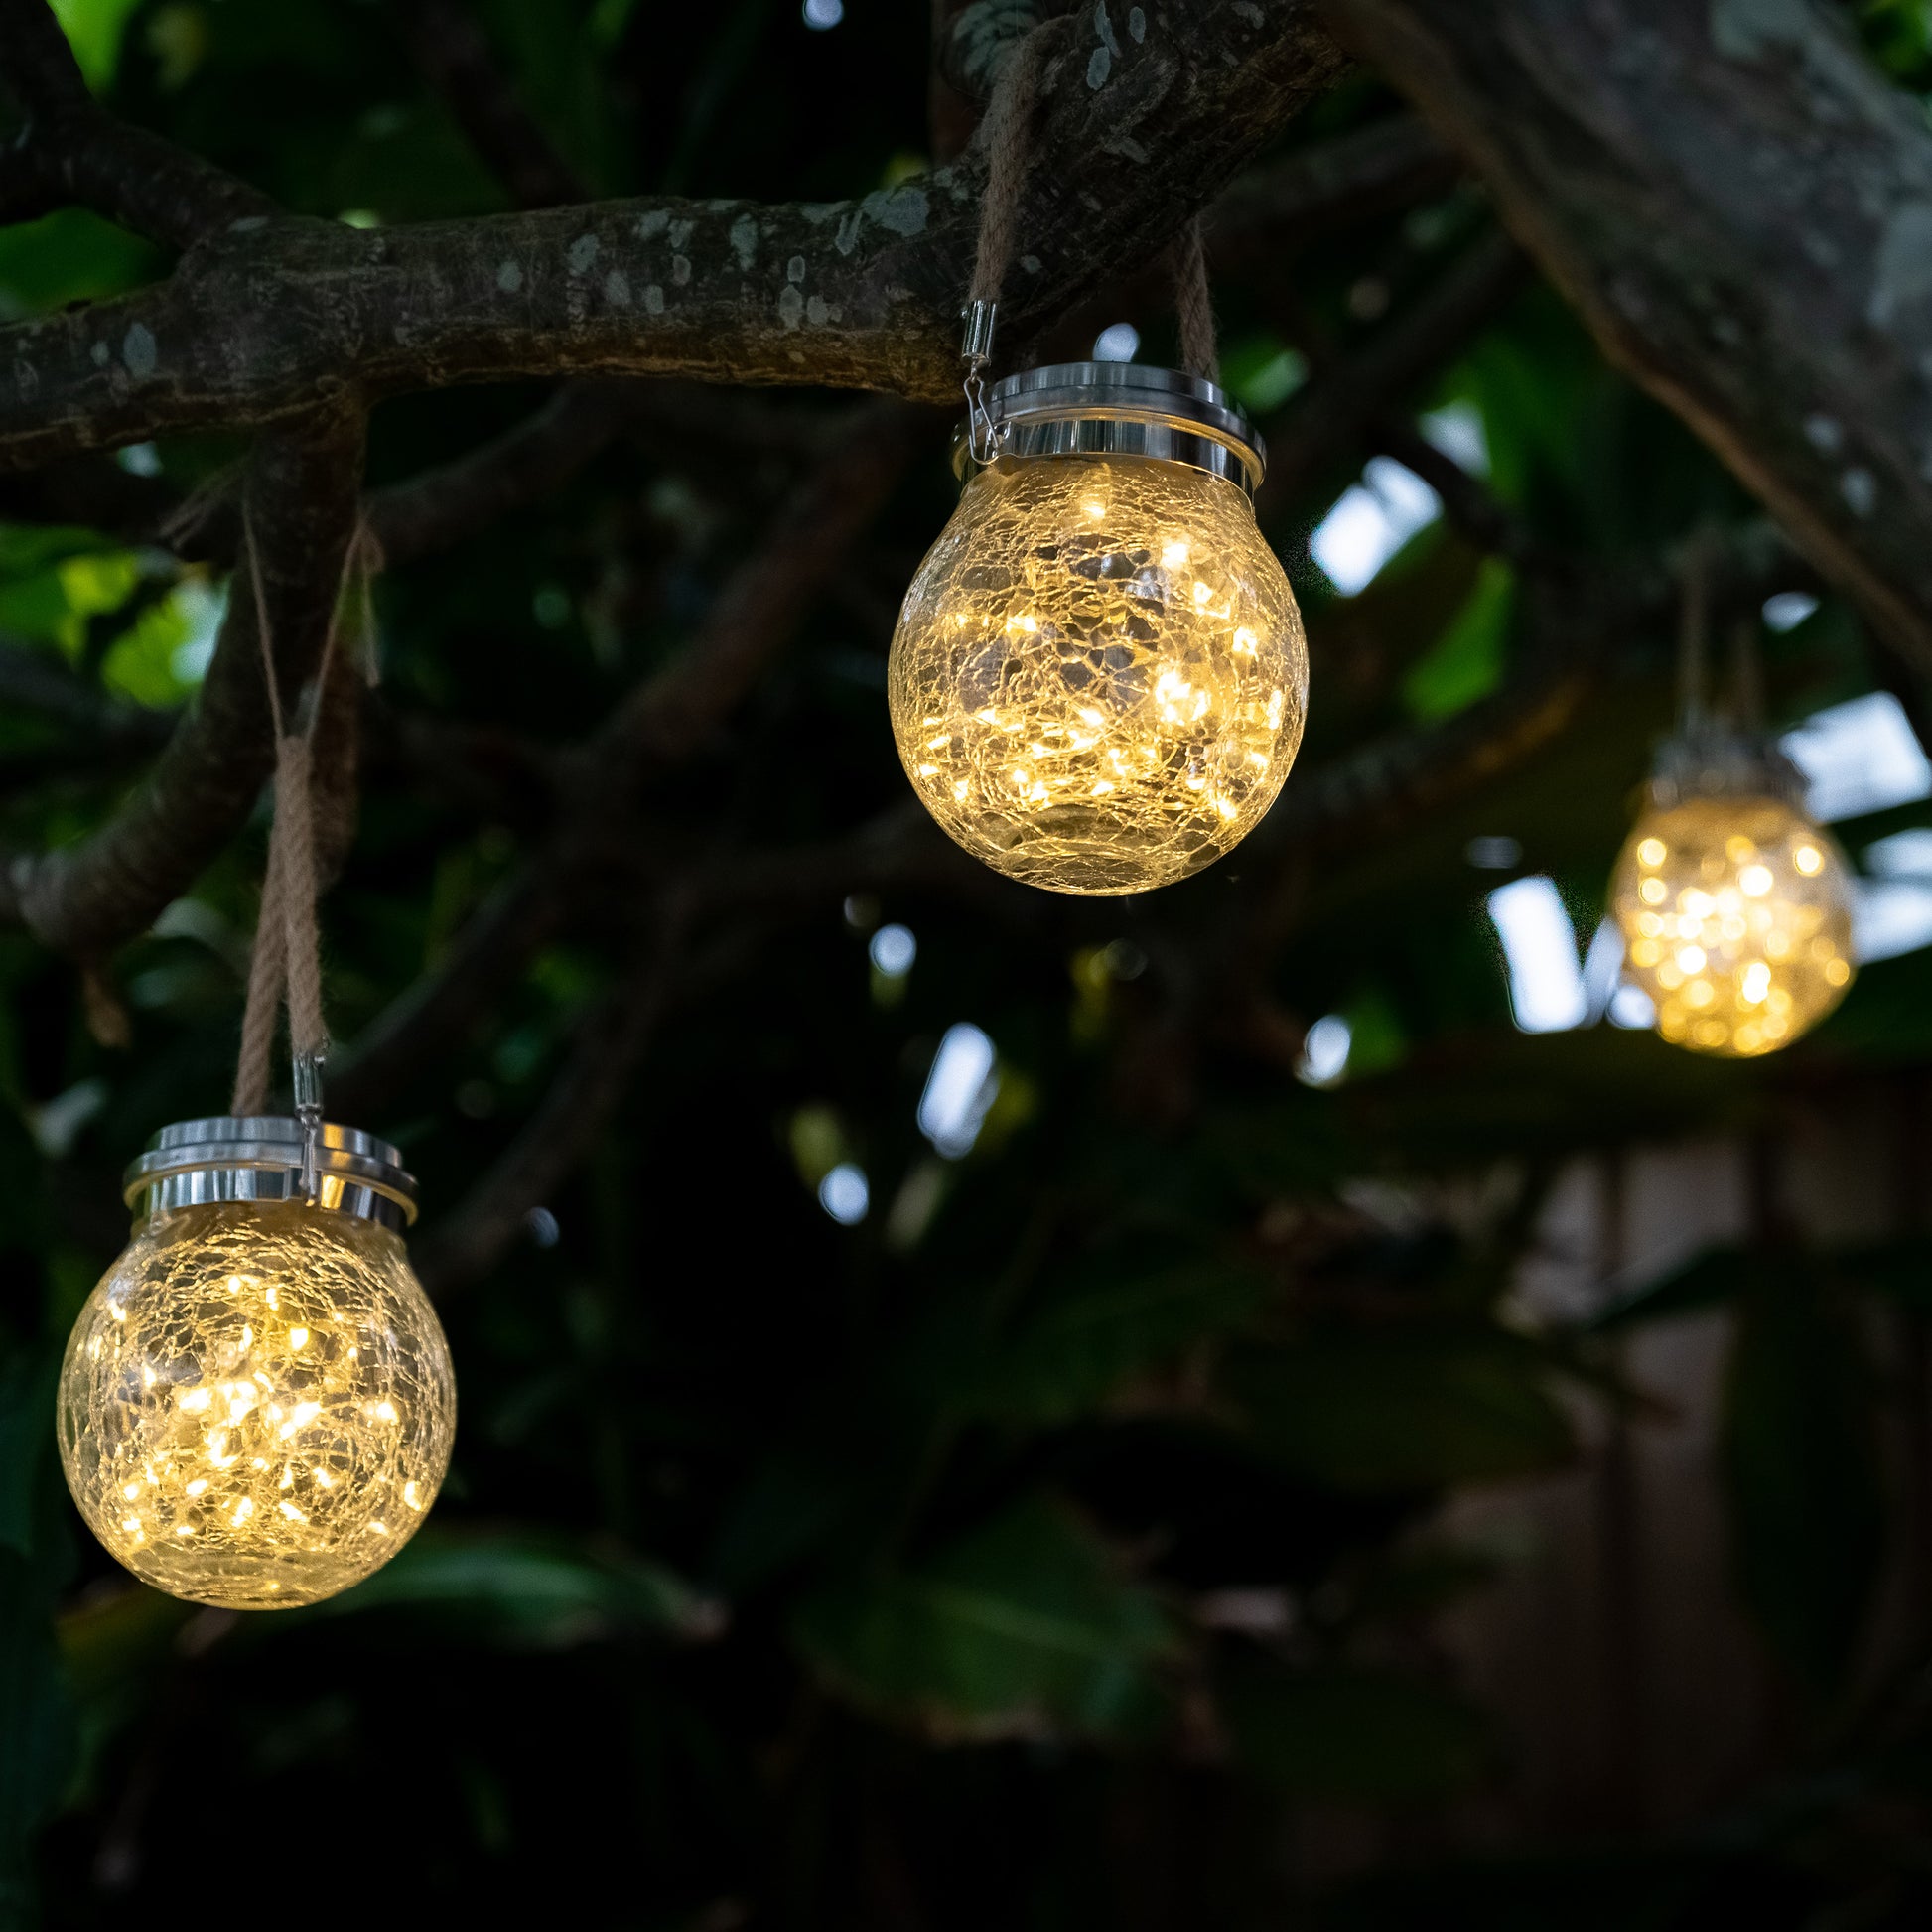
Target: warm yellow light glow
269	1389
1099	677
1737	920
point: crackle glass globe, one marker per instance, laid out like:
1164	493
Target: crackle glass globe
257	1404
1099	678
1737	921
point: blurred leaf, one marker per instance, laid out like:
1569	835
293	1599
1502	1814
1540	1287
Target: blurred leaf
1800	1461
94	29
1026	1627
37	1725
528	1592
1262	371
162	657
69	256
1355	1737
1082	1345
1711	1279
1376	1040
1467	663
1408	1408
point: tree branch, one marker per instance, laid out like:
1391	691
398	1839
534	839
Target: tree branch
1336	183
85	897
667	718
757	612
572	1117
1133	136
1740	207
1327	422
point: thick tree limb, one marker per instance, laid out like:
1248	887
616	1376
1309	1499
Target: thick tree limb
1741	208
1132	136
85	898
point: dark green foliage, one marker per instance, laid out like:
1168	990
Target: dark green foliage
1051	1548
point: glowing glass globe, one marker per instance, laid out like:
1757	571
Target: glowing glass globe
1737	921
1099	678
257	1405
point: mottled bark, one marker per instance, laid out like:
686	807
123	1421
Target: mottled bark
1741	208
274	316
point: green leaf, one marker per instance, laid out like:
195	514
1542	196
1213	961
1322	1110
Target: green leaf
1801	1464
1355	1737
1467	664
1025	1628
528	1592
95	29
1262	371
152	662
1084	1345
1422	1409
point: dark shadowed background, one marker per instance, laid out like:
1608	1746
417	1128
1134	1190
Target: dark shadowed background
971	1414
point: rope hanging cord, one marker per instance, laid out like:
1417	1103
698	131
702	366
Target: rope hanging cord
286	964
1193	305
1008	128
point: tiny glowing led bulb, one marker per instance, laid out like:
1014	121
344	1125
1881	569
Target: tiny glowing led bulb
257	1404
1099	677
1736	908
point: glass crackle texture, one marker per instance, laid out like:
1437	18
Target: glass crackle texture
257	1404
1099	678
1737	923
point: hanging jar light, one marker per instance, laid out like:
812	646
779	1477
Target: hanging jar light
257	1403
1099	678
1736	908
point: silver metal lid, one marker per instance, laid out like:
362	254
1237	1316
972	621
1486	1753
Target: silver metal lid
1123	409
258	1157
1717	762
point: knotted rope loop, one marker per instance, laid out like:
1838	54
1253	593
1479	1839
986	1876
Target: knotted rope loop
286	966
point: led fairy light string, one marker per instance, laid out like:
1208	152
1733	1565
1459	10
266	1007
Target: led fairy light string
257	1403
1734	907
1098	679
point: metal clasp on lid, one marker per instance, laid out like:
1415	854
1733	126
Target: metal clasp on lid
976	351
308	1110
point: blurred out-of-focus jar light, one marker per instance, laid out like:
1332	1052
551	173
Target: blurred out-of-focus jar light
1736	908
257	1405
1099	677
